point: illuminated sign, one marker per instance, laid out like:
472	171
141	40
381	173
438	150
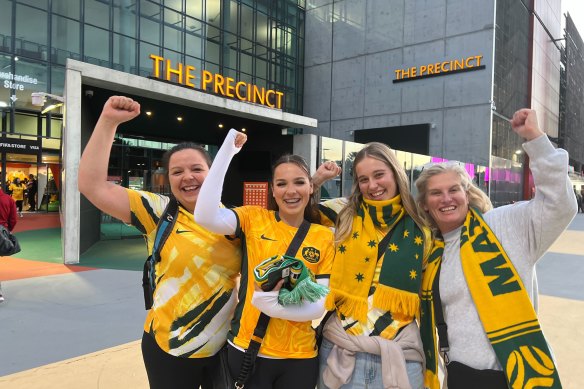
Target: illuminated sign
15	81
439	68
224	86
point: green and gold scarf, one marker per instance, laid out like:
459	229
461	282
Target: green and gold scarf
356	260
503	305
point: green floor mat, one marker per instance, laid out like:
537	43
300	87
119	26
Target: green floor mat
40	245
125	254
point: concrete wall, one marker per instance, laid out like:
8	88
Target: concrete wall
353	48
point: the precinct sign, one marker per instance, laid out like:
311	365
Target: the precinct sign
459	65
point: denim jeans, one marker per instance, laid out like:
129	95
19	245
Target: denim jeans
367	373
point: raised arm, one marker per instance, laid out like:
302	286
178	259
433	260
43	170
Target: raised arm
207	211
108	197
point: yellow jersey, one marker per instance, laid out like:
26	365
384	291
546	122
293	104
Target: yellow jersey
263	235
194	296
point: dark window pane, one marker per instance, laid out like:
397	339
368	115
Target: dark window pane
97	13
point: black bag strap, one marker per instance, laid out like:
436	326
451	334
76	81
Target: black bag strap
163	229
383	243
259	332
441	326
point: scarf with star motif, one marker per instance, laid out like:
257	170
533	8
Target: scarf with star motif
357	257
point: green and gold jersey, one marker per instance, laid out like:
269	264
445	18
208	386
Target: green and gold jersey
194	296
264	235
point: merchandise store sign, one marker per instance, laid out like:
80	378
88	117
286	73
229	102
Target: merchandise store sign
16	81
220	85
19	146
436	69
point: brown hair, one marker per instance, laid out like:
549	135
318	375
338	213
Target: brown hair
311	212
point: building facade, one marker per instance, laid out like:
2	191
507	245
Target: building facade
435	78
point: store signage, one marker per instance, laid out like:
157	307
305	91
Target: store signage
16	81
221	85
19	146
439	68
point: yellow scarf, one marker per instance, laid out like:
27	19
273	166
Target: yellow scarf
356	260
502	303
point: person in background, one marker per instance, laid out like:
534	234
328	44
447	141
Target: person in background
482	269
382	247
7	218
17	189
582	197
32	189
195	291
287	357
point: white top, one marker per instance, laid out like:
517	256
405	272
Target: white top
526	230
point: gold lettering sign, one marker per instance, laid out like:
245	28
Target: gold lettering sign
220	85
439	68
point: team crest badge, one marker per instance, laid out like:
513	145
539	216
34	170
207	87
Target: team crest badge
311	254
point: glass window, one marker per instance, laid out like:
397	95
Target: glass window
35	74
246	63
198	64
331	150
96	45
146	63
231	24
6	25
66	8
174	4
124	54
213	12
57	80
262	29
212	52
56	127
194	8
66	42
125	17
150	30
246	22
194	43
37	3
97	13
31	42
173	30
51	143
25	124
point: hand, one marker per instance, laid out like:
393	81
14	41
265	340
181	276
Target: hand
524	123
120	109
328	170
278	286
240	139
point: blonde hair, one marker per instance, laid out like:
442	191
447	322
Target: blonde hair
476	197
383	153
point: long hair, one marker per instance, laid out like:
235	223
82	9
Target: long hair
311	212
476	197
382	153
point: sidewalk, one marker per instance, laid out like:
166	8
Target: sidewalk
81	329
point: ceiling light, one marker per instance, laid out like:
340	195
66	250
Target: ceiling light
518	152
179	118
243	130
148	113
220	125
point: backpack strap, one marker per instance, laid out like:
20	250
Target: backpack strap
163	230
259	332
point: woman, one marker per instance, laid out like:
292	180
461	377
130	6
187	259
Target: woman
194	295
17	189
485	267
381	250
287	358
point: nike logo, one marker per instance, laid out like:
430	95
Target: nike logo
266	238
182	231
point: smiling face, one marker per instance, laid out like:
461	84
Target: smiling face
376	179
187	170
446	201
291	188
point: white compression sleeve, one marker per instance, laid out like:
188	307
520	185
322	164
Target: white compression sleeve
207	211
267	302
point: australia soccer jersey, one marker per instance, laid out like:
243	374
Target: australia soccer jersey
193	299
264	235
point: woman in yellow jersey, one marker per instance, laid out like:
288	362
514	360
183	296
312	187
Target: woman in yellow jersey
373	340
287	358
17	189
195	294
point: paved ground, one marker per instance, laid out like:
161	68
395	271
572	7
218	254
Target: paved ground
80	329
